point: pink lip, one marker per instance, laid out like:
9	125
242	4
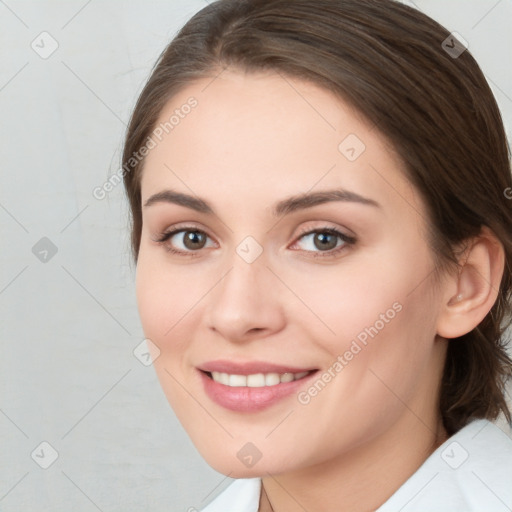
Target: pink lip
249	368
245	398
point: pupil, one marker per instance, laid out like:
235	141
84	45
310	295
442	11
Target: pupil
326	241
193	239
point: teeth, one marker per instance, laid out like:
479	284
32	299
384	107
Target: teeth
237	381
224	378
257	380
271	379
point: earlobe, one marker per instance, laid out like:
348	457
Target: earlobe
471	294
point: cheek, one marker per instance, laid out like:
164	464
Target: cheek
386	342
379	312
381	351
346	301
167	305
166	298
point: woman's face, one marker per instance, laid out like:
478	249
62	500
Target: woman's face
259	177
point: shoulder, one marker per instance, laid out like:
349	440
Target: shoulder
243	495
470	471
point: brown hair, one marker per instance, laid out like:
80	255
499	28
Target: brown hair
435	108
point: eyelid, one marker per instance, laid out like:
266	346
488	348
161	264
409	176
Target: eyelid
180	226
324	228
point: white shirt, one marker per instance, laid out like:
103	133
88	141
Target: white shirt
470	472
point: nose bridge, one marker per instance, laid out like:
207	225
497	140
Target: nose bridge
247	269
242	284
243	300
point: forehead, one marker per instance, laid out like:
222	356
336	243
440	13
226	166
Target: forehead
268	135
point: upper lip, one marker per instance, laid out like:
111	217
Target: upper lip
249	367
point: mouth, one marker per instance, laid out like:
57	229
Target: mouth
256	380
251	387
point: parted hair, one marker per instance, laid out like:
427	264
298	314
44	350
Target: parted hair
396	67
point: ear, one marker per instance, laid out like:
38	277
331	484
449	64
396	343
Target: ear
470	295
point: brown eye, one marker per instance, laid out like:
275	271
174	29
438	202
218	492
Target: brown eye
185	241
194	240
325	241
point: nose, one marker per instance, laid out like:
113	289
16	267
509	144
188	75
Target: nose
246	303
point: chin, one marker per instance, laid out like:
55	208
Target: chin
234	468
240	464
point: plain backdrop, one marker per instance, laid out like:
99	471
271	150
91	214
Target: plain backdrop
69	324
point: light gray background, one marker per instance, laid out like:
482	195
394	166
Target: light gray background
69	325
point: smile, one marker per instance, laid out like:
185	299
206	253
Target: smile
256	380
251	387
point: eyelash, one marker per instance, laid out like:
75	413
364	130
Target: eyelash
347	241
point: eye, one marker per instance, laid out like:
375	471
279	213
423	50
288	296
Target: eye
325	240
186	240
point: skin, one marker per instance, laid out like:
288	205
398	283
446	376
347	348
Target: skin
253	140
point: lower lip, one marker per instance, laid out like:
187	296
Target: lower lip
246	399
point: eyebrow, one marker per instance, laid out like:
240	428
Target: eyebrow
288	205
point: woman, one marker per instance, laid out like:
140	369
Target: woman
322	225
